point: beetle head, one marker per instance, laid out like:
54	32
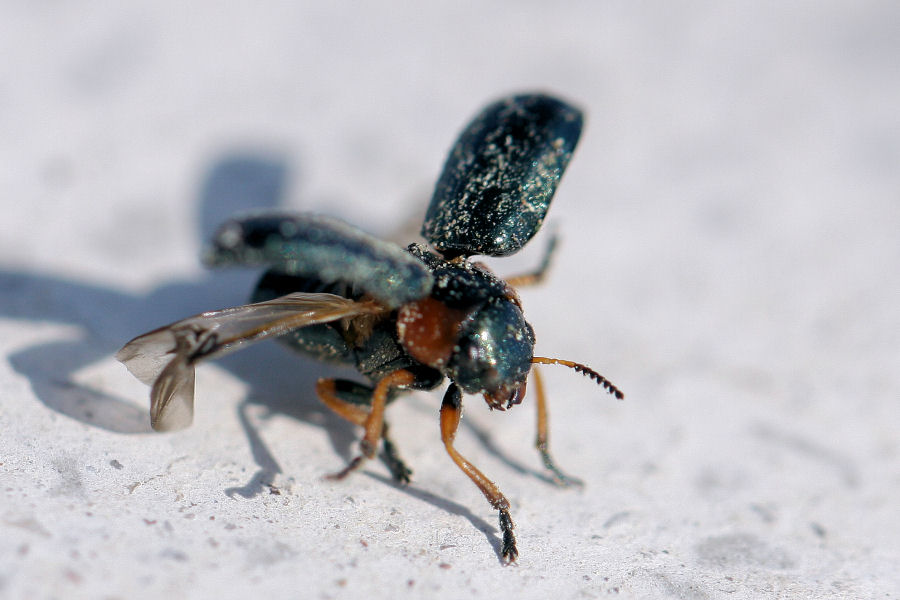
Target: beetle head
493	353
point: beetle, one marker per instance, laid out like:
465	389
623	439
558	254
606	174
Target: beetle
405	318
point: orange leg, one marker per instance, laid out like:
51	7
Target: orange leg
372	420
542	442
451	410
326	389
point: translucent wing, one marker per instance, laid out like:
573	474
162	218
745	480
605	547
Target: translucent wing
165	358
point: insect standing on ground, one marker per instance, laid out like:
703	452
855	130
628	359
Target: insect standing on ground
405	318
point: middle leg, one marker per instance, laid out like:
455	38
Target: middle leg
352	401
374	419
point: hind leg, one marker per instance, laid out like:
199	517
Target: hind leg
353	401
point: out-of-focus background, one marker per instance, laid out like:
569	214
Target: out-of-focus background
730	257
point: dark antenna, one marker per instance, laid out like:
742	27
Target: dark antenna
580	368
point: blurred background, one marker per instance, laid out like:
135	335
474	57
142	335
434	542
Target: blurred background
729	257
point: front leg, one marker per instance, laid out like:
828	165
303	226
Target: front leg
542	441
450	414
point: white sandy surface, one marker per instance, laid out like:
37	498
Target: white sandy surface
730	258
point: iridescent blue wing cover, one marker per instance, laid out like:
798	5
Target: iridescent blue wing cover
323	248
500	176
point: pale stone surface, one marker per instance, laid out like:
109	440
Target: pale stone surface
730	257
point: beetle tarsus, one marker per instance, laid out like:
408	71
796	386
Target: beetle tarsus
353	465
559	478
391	458
508	549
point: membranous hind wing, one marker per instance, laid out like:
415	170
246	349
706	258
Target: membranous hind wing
166	357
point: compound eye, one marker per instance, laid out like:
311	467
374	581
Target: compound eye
494	350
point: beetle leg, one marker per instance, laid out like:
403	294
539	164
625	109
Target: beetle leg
451	411
327	390
391	458
537	276
373	420
350	400
542	442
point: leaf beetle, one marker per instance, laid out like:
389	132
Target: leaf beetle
405	318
